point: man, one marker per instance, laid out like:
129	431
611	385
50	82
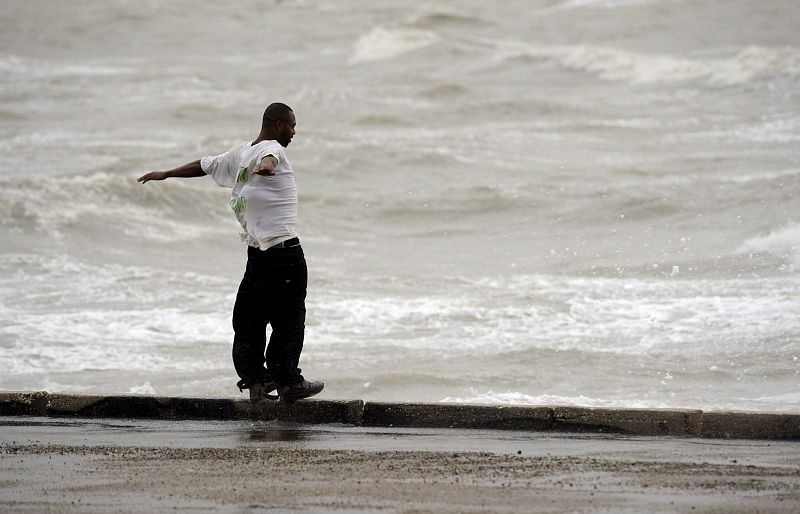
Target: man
273	290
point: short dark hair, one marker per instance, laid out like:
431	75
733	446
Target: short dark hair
274	112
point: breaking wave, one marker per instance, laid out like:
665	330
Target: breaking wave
383	43
59	205
783	242
623	65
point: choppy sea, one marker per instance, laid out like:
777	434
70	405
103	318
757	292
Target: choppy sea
584	202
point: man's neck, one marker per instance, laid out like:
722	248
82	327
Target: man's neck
263	137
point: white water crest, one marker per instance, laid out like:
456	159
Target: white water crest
783	242
750	63
381	44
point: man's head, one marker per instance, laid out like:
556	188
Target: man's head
278	123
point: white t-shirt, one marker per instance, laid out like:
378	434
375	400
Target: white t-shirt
266	207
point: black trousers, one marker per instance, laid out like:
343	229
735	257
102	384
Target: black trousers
272	291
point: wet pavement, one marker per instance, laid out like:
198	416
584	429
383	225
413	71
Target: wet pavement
234	434
137	465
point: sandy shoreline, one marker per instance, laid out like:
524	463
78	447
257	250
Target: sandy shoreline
120	467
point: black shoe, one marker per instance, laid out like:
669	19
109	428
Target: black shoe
299	391
260	389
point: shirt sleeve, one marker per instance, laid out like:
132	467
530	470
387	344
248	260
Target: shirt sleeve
272	148
222	167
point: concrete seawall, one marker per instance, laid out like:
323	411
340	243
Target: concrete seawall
669	422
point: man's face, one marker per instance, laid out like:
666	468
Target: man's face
286	130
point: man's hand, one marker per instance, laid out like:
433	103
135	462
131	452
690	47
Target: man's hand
266	167
153	175
188	170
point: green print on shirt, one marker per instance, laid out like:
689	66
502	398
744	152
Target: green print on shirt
239	205
242	177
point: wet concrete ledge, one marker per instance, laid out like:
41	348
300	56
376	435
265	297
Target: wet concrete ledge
650	422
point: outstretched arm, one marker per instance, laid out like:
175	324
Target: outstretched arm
190	169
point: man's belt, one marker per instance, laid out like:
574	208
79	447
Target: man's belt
289	243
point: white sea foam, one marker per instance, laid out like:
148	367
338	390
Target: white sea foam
518	398
783	242
606	4
763	176
116	203
77	316
783	129
145	341
617	316
31	68
382	43
789	402
145	388
86	140
623	65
